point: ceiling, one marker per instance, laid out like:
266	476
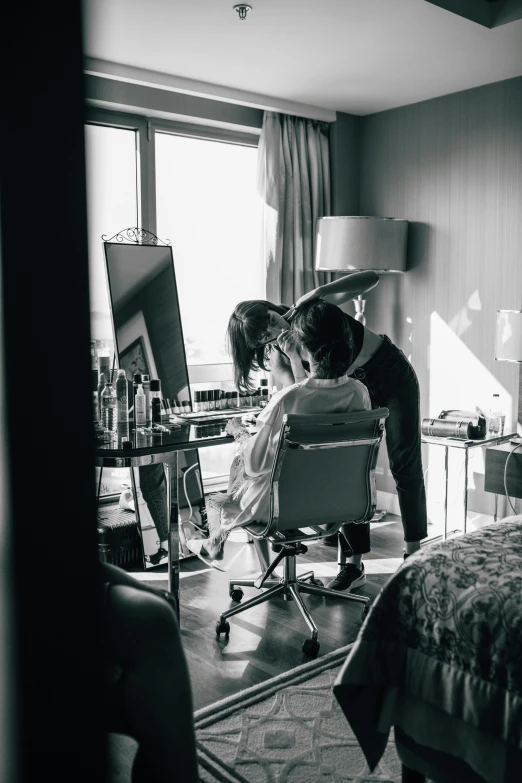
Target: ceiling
356	56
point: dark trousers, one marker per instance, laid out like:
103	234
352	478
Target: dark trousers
392	383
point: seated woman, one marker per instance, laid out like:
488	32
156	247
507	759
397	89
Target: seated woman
318	334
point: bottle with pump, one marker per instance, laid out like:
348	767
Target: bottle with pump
496	418
122	397
155	400
108	408
145	379
139	406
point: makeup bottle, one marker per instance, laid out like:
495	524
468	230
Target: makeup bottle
145	380
139	406
211	400
204	400
155	401
197	401
185	404
122	399
108	405
136	381
104	366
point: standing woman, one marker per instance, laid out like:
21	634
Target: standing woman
383	368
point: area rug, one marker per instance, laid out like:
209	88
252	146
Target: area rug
289	729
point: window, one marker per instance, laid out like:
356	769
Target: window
207	205
112	205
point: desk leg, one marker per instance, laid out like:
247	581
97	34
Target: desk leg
446	460
137	513
465	489
173	542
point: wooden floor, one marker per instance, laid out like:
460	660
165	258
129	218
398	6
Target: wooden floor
266	640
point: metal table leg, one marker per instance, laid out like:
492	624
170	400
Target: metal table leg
173	541
465	489
137	513
446	459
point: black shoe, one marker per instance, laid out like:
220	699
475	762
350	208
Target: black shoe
330	540
159	555
348	578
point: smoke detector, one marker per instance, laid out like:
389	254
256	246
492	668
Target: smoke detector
242	10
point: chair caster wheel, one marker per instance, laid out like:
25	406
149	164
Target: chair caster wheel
365	611
222	626
311	647
317	582
236	594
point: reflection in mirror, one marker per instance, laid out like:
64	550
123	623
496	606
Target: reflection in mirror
146	317
149	340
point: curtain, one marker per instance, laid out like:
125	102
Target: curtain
294	181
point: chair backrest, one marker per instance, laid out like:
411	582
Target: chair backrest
324	469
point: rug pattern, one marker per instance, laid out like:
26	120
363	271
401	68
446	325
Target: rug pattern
287	730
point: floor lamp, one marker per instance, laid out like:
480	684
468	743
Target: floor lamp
508	348
357	244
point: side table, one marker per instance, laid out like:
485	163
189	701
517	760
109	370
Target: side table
463	445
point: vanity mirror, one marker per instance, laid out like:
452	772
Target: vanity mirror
148	337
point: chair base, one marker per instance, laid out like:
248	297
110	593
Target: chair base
291	587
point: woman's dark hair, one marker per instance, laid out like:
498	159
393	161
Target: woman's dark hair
246	329
324	330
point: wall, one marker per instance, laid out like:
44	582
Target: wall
453	167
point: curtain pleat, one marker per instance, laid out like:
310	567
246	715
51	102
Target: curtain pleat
294	181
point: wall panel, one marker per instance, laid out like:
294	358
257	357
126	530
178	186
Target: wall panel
453	167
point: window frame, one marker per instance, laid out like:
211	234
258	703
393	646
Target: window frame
146	129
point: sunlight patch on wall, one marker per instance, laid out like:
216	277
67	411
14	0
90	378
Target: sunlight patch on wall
458	380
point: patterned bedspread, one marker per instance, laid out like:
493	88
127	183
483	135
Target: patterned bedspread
446	632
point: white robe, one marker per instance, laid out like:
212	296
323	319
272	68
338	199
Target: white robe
247	498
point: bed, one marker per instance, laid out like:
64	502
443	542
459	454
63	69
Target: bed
439	659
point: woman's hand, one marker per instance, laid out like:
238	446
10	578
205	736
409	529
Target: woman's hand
286	341
234	426
314	294
281	370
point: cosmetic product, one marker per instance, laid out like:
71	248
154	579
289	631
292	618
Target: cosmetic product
101	387
263	402
104	366
211	400
136	381
108	406
204	400
155	401
145	380
255	398
186	406
122	398
139	406
197	401
220	399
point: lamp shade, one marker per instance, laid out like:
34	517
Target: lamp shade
361	243
508	346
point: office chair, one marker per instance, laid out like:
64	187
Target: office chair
323	475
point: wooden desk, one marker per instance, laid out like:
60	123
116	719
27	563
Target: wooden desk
496	457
